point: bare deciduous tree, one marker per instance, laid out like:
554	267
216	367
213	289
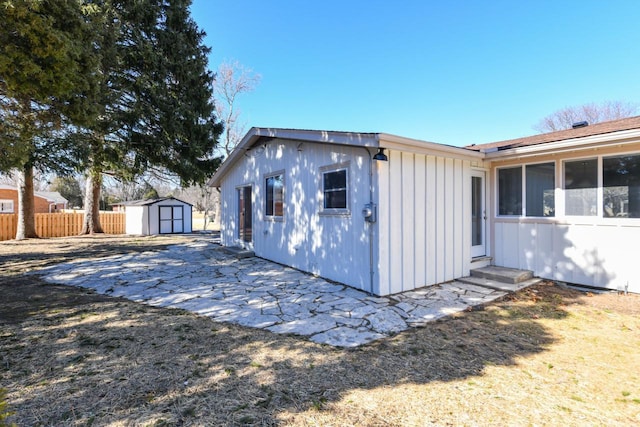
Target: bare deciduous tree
232	79
591	113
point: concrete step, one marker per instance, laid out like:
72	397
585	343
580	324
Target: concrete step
502	274
238	252
497	285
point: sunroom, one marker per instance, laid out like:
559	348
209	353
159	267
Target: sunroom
569	209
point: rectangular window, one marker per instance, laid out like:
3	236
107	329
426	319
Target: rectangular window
334	189
580	187
540	189
510	191
6	206
621	186
275	196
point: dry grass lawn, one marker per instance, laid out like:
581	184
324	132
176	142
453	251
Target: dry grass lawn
69	357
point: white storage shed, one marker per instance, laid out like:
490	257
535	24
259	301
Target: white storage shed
166	215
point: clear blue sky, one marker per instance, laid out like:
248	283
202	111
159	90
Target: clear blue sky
450	71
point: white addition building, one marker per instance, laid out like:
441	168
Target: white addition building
387	214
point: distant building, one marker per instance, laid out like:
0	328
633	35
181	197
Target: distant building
44	201
166	215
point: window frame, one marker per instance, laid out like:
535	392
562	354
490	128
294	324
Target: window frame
7	201
525	193
598	188
273	216
523	190
560	193
616	219
324	170
522	195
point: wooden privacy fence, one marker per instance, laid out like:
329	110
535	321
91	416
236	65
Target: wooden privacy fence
61	224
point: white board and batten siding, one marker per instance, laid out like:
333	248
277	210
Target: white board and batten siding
424	220
572	252
334	246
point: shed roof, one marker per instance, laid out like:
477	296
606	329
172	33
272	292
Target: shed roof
148	202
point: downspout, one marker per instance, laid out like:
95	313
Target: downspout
370	224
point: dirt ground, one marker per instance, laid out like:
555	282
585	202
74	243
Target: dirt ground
69	357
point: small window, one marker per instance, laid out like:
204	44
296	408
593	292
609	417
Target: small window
581	187
510	191
540	191
6	206
621	186
275	196
334	189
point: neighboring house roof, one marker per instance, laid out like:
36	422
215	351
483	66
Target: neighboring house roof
629	123
147	202
257	136
52	196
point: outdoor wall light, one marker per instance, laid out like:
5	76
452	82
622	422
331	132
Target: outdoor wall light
380	155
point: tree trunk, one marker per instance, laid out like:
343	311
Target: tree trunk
91	223
26	208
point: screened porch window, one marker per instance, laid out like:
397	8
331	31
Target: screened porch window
275	196
540	189
621	186
510	191
581	187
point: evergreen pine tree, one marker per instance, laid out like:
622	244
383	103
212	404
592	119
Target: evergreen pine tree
46	73
157	105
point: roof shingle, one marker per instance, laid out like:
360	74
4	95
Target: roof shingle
594	129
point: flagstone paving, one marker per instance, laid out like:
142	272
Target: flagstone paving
200	277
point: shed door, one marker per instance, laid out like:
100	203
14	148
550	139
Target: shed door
171	219
478	215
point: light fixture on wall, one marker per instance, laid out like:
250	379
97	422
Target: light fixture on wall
380	155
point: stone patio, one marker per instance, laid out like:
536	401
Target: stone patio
199	276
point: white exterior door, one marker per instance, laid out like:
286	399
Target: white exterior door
478	215
171	219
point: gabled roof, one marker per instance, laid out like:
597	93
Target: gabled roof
257	136
613	132
49	196
52	196
147	202
629	123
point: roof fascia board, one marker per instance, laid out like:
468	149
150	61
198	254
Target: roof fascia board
399	143
330	137
239	151
349	139
574	144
